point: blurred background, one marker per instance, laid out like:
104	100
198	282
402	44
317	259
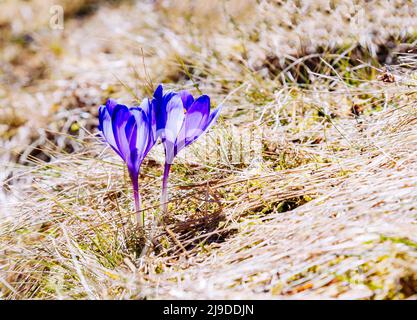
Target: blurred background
327	210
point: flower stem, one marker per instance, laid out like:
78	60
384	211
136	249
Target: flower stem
136	195
164	194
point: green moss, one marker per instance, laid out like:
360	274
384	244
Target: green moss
402	240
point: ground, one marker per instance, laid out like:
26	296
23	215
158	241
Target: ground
305	188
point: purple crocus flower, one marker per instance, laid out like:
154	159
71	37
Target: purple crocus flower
131	134
180	120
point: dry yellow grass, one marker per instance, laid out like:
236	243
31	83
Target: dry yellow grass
305	189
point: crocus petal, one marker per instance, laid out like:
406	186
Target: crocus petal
131	132
120	118
168	96
131	137
105	126
159	103
196	119
214	115
110	105
158	92
145	106
159	109
187	99
101	117
144	140
175	118
149	111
